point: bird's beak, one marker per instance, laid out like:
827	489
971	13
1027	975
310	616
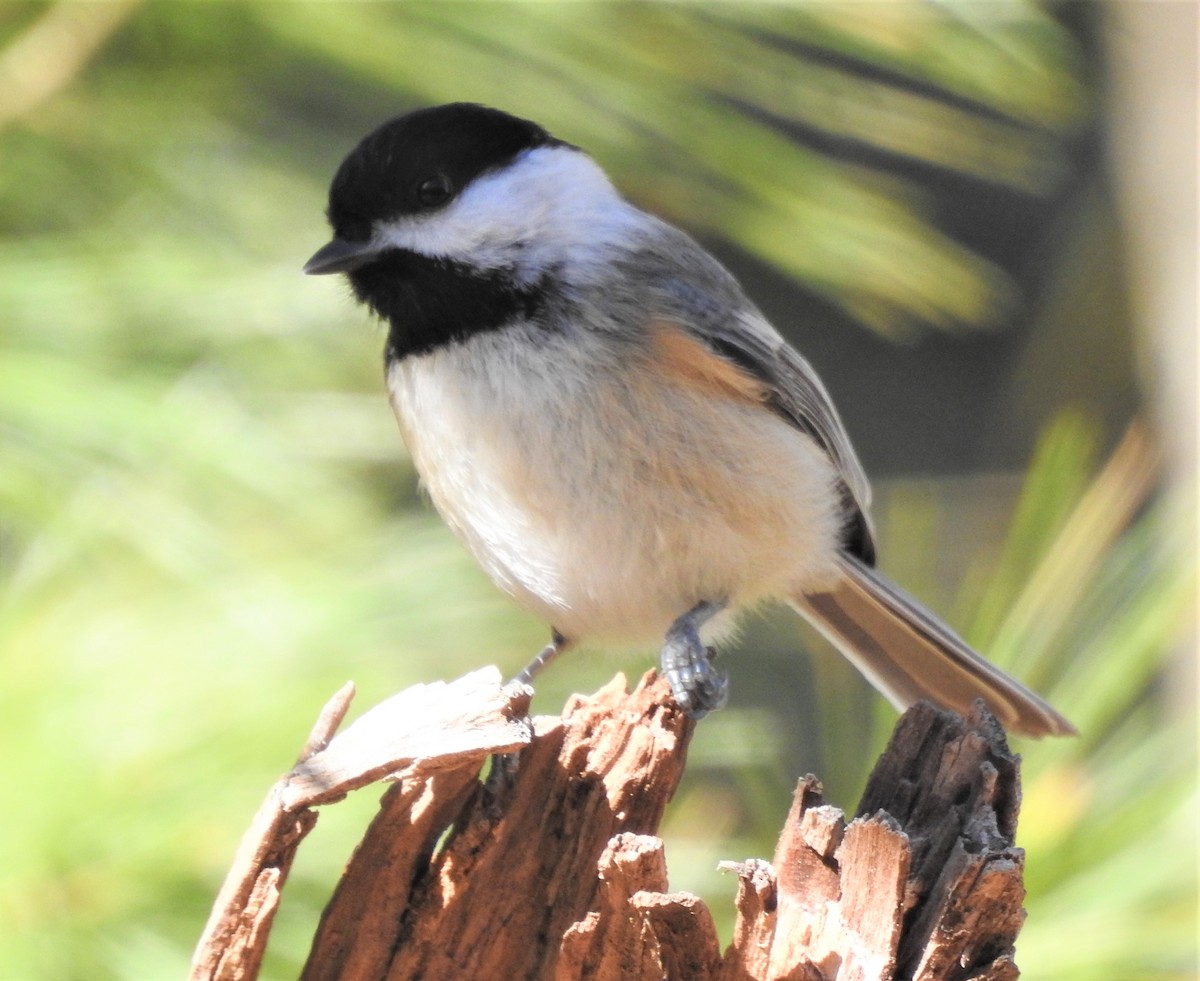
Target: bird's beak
340	256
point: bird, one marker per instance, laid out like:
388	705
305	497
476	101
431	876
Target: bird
616	433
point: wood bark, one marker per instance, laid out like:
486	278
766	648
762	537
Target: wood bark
549	866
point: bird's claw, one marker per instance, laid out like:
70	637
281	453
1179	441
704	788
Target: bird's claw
698	685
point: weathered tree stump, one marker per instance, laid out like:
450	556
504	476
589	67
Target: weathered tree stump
550	868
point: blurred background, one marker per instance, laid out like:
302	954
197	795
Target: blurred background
978	220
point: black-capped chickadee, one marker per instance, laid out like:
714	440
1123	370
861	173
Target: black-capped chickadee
623	442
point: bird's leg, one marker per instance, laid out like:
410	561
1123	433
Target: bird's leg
698	685
558	644
505	765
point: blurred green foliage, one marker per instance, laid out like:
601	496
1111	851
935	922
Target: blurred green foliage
207	521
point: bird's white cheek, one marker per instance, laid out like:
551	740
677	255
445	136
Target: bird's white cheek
492	216
535	212
442	235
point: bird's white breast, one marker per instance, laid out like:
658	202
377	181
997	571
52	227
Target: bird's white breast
604	498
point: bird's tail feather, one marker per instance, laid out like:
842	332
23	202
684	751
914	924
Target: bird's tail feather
909	655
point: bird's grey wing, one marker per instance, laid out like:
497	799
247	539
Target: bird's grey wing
698	291
797	394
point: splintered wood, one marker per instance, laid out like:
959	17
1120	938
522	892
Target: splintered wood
550	869
923	883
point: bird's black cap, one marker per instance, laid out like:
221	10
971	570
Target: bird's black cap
418	162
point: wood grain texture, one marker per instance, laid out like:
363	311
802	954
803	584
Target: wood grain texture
924	883
551	868
421	732
522	864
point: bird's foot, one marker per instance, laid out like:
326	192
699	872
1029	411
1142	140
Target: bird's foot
505	765
698	685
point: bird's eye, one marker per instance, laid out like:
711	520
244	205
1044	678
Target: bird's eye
434	190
